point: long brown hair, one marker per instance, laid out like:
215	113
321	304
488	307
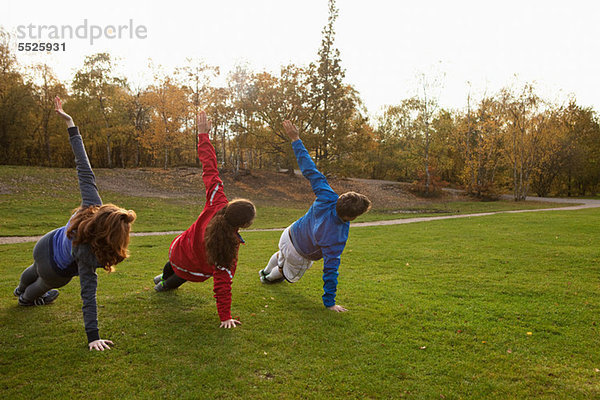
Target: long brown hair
106	229
220	238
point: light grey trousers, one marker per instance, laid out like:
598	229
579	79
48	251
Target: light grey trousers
40	276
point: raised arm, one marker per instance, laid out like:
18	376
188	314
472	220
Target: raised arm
317	180
208	158
85	175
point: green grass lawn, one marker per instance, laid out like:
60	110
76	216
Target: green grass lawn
34	216
36	200
437	310
32	213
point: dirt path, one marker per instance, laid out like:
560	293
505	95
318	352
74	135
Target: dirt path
576	204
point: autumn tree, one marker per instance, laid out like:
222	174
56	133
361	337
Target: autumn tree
97	87
384	162
196	77
447	162
427	107
524	119
139	115
219	107
273	99
510	140
553	150
16	108
45	86
336	104
242	116
397	134
169	108
580	174
480	136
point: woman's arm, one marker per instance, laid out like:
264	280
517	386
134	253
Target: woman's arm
59	110
88	279
208	158
222	280
85	175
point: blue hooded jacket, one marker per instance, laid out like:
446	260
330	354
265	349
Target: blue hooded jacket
320	233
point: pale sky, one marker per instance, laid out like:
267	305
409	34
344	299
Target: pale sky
384	45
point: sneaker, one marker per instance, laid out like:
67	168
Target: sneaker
17	292
157	279
24	303
264	279
43	300
262	273
160	286
49	296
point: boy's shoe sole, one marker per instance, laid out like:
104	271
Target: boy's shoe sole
157	279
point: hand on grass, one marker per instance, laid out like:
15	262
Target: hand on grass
230	323
337	308
100	344
59	110
291	131
203	124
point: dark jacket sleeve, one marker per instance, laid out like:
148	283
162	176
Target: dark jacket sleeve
87	180
88	279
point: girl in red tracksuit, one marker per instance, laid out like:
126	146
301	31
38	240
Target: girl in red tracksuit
209	247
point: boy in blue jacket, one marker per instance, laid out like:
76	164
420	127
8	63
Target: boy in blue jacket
321	233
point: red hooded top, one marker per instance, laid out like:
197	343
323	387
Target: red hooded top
187	253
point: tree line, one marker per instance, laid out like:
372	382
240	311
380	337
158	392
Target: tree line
511	140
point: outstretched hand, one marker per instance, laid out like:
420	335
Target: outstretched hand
291	131
203	124
59	110
99	344
230	323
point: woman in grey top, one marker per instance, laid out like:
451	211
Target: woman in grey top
96	236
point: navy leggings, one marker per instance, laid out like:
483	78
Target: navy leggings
172	281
